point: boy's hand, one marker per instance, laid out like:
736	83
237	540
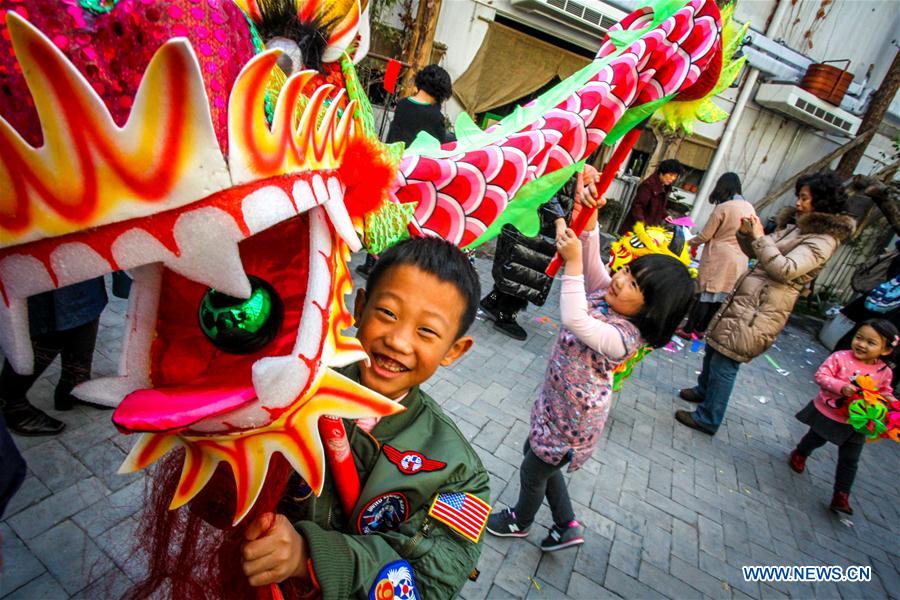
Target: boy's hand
569	247
848	390
274	551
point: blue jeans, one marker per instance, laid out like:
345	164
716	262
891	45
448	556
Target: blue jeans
715	384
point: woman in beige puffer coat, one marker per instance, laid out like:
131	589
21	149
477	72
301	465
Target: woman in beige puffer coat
787	261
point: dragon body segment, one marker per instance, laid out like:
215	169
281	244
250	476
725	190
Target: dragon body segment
462	187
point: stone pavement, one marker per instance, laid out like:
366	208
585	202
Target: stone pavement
669	512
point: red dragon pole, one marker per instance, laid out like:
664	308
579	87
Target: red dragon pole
606	178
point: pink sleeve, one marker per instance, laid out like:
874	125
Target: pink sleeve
827	375
596	276
596	334
884	384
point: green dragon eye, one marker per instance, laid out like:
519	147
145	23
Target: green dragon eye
241	326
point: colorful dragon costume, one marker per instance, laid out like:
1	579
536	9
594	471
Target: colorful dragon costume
163	138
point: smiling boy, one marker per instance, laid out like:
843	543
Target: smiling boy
416	529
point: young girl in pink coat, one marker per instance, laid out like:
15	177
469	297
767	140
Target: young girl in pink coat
605	320
826	414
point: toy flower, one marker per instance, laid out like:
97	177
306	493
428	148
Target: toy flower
892	423
868	389
867	419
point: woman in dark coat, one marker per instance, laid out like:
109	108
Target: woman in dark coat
651	199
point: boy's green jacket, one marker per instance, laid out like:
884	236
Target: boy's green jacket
407	460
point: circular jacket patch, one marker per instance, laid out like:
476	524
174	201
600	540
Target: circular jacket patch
383	513
395	581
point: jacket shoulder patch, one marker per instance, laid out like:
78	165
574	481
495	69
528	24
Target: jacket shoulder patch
464	513
410	462
395	581
383	513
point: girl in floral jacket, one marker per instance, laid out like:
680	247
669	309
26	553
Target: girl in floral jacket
605	320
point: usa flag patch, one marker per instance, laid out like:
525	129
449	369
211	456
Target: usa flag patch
462	512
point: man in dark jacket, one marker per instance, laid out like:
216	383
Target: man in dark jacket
520	262
422	110
61	322
652	196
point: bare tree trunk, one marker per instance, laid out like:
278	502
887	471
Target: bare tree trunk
878	106
667	145
418	52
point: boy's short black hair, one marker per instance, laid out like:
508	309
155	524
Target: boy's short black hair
436	81
670	165
827	191
668	288
437	257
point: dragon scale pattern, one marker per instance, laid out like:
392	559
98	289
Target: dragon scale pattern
460	195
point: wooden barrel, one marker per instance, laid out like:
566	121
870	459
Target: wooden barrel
827	82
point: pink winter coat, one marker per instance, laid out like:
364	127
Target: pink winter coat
723	261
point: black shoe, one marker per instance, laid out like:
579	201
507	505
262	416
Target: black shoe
689	395
563	537
503	524
687	419
489	305
507	325
25	419
64	402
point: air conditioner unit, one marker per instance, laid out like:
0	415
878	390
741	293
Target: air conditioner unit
800	105
588	15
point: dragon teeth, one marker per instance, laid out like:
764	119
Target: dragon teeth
266	207
14	336
339	216
327	192
20	276
278	380
208	240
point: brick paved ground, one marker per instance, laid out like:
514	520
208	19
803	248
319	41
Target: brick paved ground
669	512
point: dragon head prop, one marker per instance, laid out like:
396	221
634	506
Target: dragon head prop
232	181
650	240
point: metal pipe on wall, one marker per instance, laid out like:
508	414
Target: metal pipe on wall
712	173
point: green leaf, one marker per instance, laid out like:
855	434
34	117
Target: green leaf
521	212
633	117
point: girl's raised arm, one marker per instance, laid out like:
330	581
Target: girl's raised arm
596	275
597	335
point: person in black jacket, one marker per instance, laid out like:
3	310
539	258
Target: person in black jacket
520	262
419	112
422	110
